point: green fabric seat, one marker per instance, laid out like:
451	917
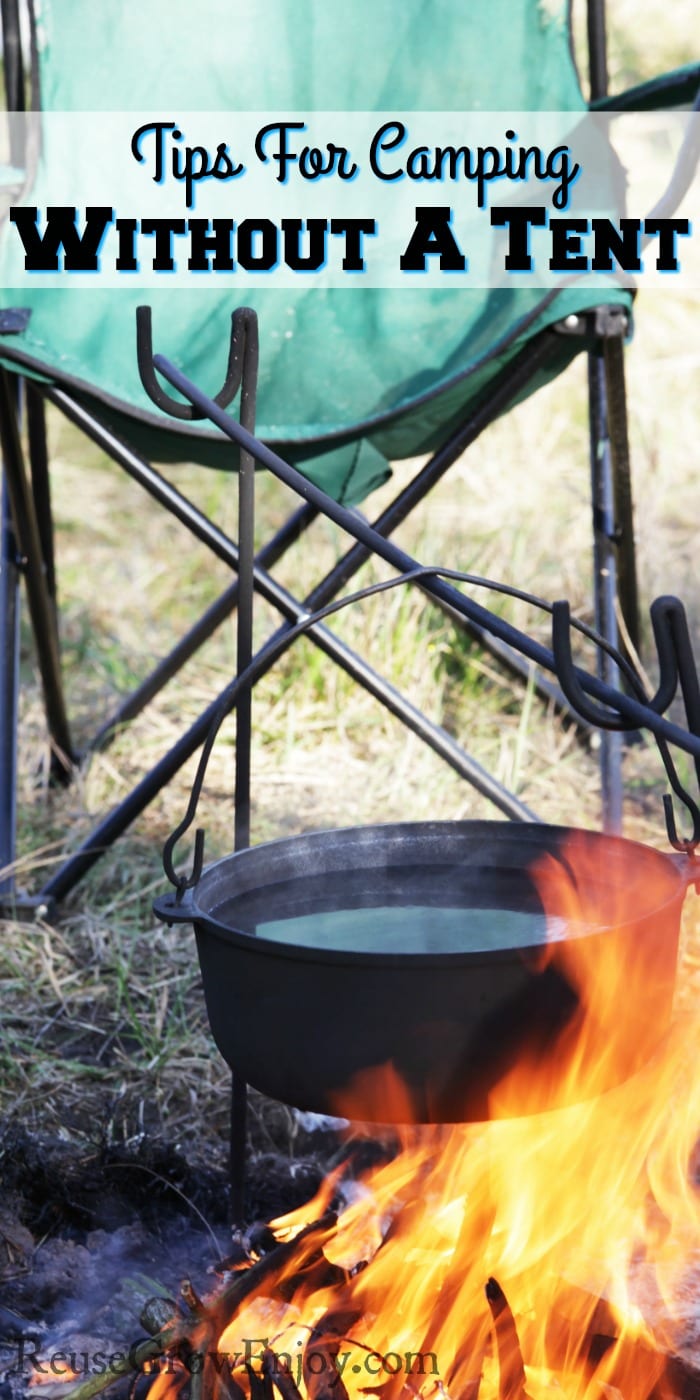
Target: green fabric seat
349	379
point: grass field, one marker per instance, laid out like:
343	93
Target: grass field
104	1033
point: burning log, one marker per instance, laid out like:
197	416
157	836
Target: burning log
318	1273
247	1284
277	1369
261	1239
511	1384
225	1386
407	1258
324	1382
682	1379
588	1333
238	1258
191	1298
260	1386
464	1375
199	1366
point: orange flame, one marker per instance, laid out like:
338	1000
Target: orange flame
586	1214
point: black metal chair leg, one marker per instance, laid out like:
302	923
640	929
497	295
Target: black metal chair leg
604	579
41	605
614	360
41	485
9	687
13	66
597	48
605	424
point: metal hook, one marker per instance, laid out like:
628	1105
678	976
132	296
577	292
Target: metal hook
243	327
676	662
183	882
687	845
241	374
669	617
663	613
186	882
568	680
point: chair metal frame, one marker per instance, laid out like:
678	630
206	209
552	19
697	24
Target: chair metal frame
28	552
620	711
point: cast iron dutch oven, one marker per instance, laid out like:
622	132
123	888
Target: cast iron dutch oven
422	946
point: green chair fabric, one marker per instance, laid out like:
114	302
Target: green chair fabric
350	379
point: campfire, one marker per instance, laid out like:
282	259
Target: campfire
536	1255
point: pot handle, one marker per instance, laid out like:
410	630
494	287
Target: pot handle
171	909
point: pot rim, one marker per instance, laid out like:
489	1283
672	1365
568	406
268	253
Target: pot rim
535	834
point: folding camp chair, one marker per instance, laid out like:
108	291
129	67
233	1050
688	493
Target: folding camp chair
412	372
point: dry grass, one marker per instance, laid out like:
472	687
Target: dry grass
103	1023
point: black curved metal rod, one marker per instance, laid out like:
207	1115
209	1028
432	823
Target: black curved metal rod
420	574
568	679
243	683
243	330
676	661
672	610
637	713
662	612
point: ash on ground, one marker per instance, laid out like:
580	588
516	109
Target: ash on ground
88	1236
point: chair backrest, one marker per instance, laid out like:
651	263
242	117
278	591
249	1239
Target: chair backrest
349	378
373	55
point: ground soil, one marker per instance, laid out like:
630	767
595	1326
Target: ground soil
87	1237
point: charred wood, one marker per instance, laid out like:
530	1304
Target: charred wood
294	1252
321	1375
681	1381
157	1314
237	1258
261	1239
319	1273
187	1332
226	1387
139	1357
260	1385
511	1384
277	1369
584	1330
198	1369
191	1298
465	1373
